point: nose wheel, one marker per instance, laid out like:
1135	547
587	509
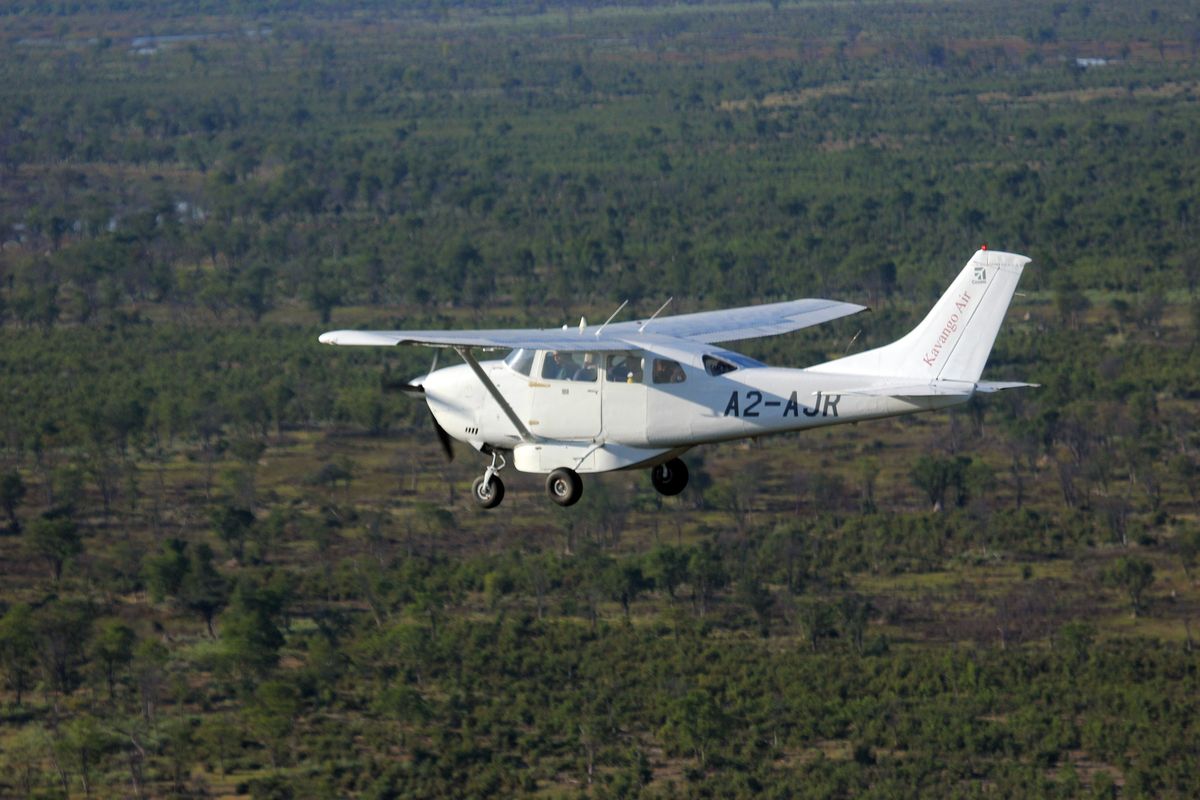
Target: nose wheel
488	489
669	478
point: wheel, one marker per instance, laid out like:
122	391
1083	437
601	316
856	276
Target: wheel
670	478
564	486
488	496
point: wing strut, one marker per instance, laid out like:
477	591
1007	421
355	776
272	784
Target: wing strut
469	357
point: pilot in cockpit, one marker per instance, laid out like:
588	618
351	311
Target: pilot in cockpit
560	365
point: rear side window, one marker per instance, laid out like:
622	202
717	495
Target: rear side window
668	371
717	366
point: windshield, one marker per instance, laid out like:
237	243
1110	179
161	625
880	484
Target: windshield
520	360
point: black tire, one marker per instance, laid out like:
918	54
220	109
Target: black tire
489	496
564	486
670	478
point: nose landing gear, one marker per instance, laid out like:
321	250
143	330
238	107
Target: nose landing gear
488	489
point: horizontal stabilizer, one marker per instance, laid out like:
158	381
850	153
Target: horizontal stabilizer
934	388
998	386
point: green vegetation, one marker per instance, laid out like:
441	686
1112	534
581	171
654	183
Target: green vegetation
234	565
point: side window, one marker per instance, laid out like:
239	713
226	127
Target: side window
563	365
621	368
668	371
559	365
520	360
717	366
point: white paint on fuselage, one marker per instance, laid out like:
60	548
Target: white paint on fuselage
651	417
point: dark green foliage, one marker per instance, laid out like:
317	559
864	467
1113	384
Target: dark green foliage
55	539
322	617
17	645
248	627
1133	576
12	491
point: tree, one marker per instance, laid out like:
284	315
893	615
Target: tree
758	598
855	611
61	632
187	576
697	722
667	567
251	638
625	582
272	714
12	491
1134	576
233	525
203	590
113	647
937	476
82	744
17	648
55	539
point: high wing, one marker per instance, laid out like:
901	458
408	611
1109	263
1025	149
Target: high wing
747	322
725	325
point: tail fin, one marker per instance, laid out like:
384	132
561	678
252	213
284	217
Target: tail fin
954	340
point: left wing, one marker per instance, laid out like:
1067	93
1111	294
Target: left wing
747	322
725	325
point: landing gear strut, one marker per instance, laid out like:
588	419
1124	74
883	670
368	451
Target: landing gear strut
669	478
564	486
488	489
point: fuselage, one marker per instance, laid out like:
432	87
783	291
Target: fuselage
637	401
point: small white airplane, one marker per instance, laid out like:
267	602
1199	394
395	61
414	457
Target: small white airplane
635	395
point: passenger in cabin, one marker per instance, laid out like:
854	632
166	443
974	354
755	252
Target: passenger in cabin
666	371
588	371
624	369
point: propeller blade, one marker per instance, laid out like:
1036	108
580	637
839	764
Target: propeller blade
443	437
397	386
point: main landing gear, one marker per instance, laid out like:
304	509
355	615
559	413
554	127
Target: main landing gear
670	477
488	490
564	486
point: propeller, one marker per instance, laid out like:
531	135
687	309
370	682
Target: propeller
443	437
417	389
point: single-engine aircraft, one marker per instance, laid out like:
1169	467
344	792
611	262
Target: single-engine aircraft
636	395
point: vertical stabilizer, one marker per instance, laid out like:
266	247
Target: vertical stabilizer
954	340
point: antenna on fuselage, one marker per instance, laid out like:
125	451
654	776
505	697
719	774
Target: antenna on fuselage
656	313
610	317
850	343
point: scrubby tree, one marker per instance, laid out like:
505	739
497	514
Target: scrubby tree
56	540
17	648
113	648
12	492
1134	576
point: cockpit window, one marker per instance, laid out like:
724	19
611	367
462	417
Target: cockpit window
668	371
717	366
520	360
